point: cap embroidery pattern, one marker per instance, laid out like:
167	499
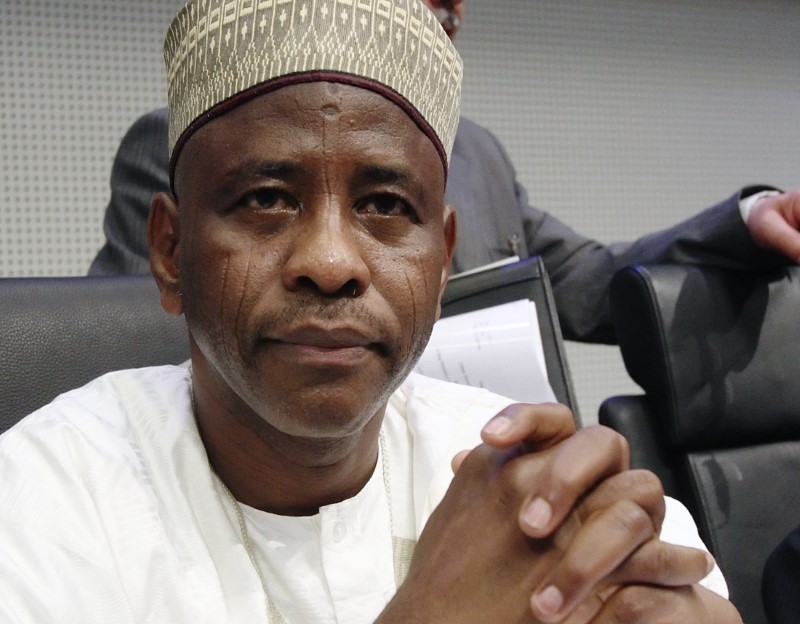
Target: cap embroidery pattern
216	50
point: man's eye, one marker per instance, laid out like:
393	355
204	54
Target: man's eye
265	199
386	205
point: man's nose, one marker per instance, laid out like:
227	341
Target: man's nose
327	256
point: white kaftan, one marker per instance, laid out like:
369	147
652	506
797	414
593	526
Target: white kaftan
109	512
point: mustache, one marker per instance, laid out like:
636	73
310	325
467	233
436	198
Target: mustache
312	310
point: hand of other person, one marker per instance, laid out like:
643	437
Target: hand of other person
774	223
493	543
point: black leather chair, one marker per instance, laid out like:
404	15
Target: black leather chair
717	354
59	333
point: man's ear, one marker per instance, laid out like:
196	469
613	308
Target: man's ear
450	235
163	237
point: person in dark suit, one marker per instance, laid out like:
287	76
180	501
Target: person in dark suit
781	581
495	220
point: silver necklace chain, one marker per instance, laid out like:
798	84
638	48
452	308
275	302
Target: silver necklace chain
274	616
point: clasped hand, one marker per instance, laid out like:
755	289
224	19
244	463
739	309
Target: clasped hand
545	524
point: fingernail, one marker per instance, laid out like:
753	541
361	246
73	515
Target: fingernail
499	426
549	601
538	514
710	563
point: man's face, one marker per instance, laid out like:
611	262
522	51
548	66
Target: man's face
448	12
313	248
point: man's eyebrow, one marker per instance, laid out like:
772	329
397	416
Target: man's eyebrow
379	174
257	169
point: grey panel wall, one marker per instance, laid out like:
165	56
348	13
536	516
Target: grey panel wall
73	76
622	116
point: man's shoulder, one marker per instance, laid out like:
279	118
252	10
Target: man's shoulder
483	152
91	447
156	117
108	409
150	130
469	131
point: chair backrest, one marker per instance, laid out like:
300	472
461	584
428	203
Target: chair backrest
716	352
526	279
59	333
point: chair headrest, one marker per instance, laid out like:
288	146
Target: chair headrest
717	350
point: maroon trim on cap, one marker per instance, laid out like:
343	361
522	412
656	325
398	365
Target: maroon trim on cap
300	78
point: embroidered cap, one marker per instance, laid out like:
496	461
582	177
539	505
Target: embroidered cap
220	53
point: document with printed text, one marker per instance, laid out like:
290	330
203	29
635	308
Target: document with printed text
497	348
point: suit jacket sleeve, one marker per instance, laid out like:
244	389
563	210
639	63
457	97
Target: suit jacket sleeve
139	171
495	217
781	582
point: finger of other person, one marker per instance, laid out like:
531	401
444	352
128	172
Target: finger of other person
774	223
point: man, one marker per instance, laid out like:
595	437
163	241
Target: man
495	221
297	471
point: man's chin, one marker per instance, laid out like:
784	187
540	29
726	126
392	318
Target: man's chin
330	404
331	421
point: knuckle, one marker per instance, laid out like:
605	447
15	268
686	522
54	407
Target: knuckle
644	484
613	440
508	487
648	486
645	488
632	604
657	488
573	573
513	481
624	445
558	415
632	518
659	564
559	410
479	463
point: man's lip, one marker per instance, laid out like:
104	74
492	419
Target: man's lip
329	348
323	337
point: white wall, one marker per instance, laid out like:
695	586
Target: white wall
622	116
